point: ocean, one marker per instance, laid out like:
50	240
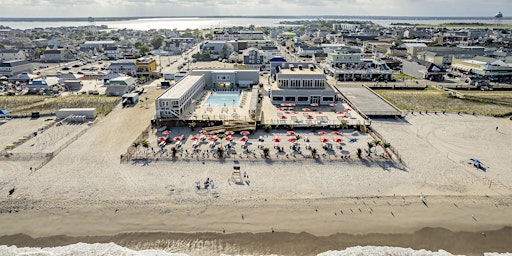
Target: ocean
113	249
182	23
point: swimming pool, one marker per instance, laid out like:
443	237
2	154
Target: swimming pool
223	98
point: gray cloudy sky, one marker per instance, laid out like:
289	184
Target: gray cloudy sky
102	8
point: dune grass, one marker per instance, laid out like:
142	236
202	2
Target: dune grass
437	100
25	105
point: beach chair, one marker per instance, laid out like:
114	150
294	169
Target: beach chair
295	119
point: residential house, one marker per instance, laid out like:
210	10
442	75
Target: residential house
253	57
14	67
127	67
345	66
112	52
423	70
119	86
217	49
53	55
12	54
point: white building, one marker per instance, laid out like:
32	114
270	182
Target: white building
302	84
174	102
127	67
14	67
120	85
12	54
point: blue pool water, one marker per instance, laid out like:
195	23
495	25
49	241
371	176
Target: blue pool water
223	98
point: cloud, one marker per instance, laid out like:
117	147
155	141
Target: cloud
96	8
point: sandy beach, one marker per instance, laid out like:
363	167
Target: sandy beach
438	200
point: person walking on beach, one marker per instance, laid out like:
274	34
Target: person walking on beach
496	128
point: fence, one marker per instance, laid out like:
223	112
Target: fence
130	152
374	133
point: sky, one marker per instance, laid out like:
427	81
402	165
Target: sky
120	8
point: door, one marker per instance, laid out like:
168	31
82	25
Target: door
315	99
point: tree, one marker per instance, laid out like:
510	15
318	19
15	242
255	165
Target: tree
138	44
266	152
220	152
359	152
144	50
38	52
145	145
157	42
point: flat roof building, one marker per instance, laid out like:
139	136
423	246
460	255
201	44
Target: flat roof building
174	102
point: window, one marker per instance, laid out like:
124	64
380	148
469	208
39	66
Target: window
328	99
302	98
289	98
277	98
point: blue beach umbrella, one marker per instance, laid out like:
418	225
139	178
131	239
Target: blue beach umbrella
4	112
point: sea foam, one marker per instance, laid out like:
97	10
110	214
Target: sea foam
82	249
112	249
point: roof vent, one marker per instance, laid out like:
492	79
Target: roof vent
300	67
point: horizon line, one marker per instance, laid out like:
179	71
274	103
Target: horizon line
296	16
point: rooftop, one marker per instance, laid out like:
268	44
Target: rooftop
181	87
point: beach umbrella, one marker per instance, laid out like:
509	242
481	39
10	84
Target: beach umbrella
283	117
229	138
245	133
166	132
338	140
333	104
290	133
340	112
284	105
314	104
291	104
213	132
324	140
309	117
202	132
294	113
177	138
280	109
306	109
276	139
244	139
194	138
292	139
322	133
348	109
162	138
344	116
229	133
4	112
335	132
319	112
213	138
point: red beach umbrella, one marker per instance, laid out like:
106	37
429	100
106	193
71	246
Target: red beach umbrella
283	117
213	138
162	138
338	140
194	138
291	104
333	104
213	132
292	139
229	133
319	112
177	138
306	109
229	138
322	133
284	105
245	133
340	113
202	132
324	140
309	116
335	133
348	109
344	116
166	132
276	139
314	104
280	109
294	113
290	133
244	139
